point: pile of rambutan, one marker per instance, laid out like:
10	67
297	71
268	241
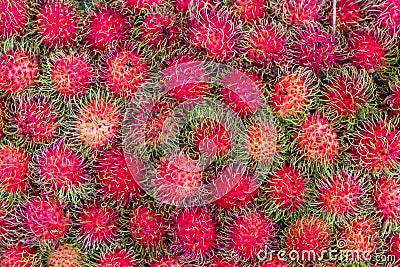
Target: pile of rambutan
209	133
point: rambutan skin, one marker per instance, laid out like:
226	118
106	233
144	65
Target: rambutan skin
393	246
13	18
57	24
14	163
137	5
388	16
349	14
386	198
18	255
249	11
64	256
118	257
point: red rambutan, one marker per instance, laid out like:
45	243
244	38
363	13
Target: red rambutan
14	163
393	246
13	18
182	6
3	120
18	256
117	257
389	16
65	256
298	12
286	188
221	262
386	198
8	223
137	5
57	24
394	98
249	11
349	14
18	71
167	261
275	261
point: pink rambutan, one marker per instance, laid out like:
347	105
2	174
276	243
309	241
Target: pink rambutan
18	71
242	92
394	98
8	223
212	32
249	11
386	198
182	6
266	45
117	257
57	24
14	163
106	28
178	178
286	188
298	12
221	262
307	234
13	18
147	227
98	123
367	50
340	195
346	92
291	92
44	219
211	138
389	16
349	14
116	182
18	255
249	234
61	170
137	5
159	30
98	225
124	72
318	141
71	75
35	119
262	142
195	232
167	261
3	119
235	195
376	146
360	234
65	255
393	246
314	48
275	261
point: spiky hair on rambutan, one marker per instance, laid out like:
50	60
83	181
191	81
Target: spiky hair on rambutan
393	246
347	92
388	16
57	23
292	94
143	5
376	145
167	261
213	33
249	11
69	74
8	223
350	14
62	171
220	261
183	6
299	12
393	99
3	119
385	197
121	257
19	255
65	255
265	44
14	17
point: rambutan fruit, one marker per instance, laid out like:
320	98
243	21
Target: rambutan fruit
211	138
249	234
18	255
386	198
185	78
314	48
34	119
213	33
13	18
61	171
274	261
182	6
317	140
106	28
8	223
14	163
117	182
237	195
65	255
124	71
118	257
292	92
195	233
376	146
221	262
19	71
167	261
138	5
242	92
307	234
44	219
369	49
98	122
340	195
393	246
360	234
147	227
98	225
262	142
266	45
286	188
177	179
71	74
57	24
388	16
3	120
394	98
346	92
349	14
249	11
299	12
159	30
